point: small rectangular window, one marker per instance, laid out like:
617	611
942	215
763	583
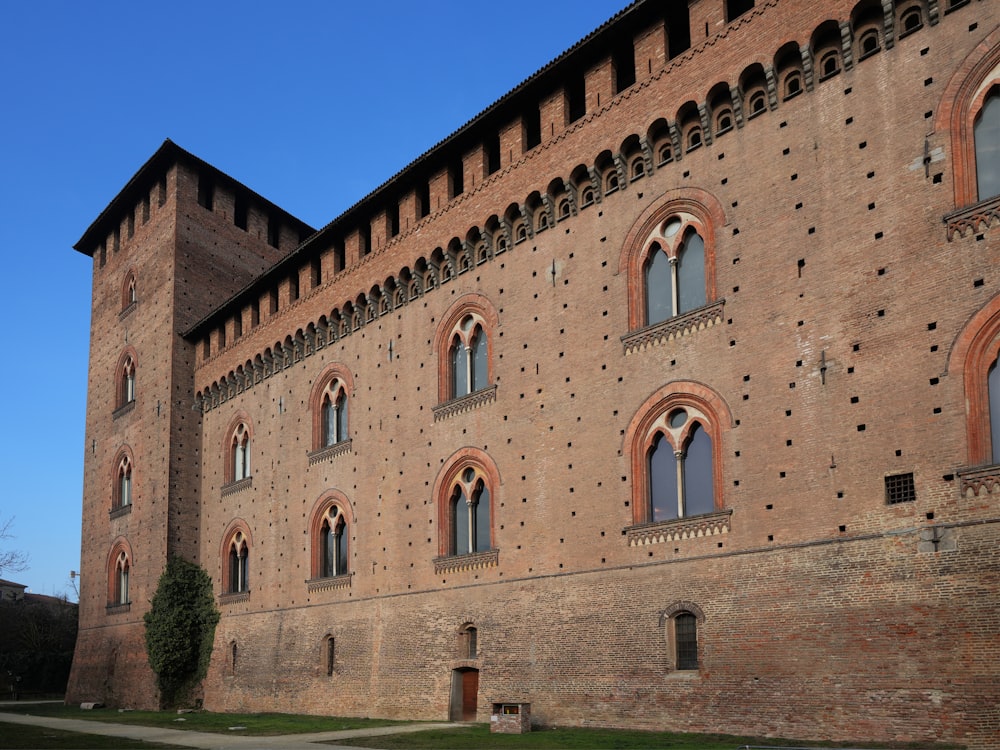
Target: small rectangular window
576	98
240	212
532	128
736	8
316	272
456	185
492	146
899	488
273	231
686	634
623	60
206	192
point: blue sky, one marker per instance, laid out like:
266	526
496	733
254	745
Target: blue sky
312	104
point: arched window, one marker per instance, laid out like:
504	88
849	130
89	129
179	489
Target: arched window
829	64
119	569
126	381
128	291
333	543
910	20
468	355
970	115
123	482
693	138
469	642
975	354
669	257
674	271
237	579
470	514
329	402
793	85
463	346
681	621
466	497
122	568
993	387
334	413
330	523
723	121
240	453
680	468
674	443
686	640
987	136
611	181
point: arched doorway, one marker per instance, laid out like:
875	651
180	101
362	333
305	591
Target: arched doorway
464	694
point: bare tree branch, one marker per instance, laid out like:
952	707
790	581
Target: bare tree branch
11	560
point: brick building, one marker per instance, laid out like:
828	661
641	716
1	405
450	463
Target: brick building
658	394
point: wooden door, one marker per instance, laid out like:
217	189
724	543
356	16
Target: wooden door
470	694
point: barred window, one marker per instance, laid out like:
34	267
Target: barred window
899	488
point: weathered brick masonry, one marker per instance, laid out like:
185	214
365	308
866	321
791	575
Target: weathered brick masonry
820	386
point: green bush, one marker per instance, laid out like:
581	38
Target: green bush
180	629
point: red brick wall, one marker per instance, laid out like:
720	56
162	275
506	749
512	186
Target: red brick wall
826	612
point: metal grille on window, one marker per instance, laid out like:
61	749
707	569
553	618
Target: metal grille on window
686	634
899	488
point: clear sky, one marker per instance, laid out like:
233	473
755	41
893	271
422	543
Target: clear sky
310	103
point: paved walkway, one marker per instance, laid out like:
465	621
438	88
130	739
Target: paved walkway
209	740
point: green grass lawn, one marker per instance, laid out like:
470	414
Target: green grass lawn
460	738
39	738
479	736
203	721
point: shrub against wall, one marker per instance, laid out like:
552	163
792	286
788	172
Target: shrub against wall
180	628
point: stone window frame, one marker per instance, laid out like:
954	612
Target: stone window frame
468	641
714	417
129	294
119	569
668	621
237	537
237	447
125	379
122	494
319	513
451	476
333	377
974	352
484	316
961	103
700	210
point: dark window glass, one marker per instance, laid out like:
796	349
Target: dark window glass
659	291
479	365
994	387
691	274
698	488
987	135
662	480
460	523
459	369
686	635
481	509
